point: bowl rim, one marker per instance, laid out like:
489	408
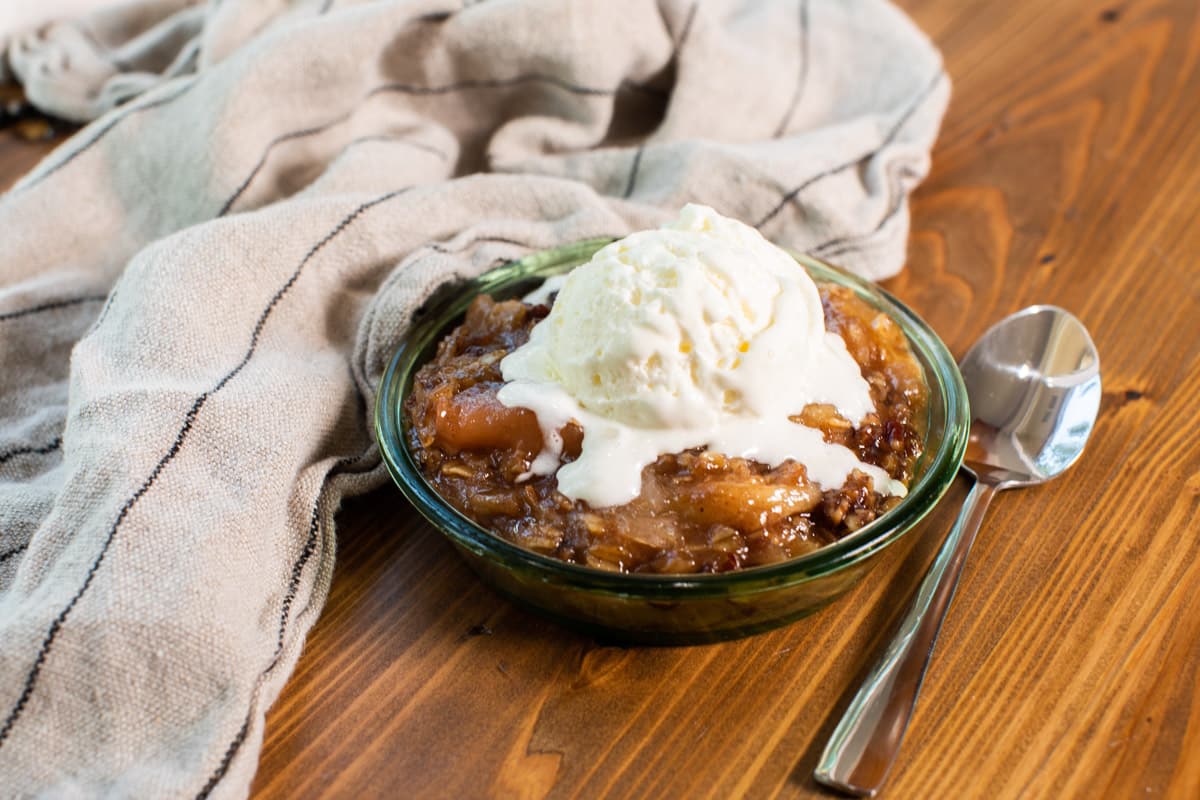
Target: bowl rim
830	558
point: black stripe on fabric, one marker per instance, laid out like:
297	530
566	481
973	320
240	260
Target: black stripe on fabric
102	132
300	134
644	88
310	547
52	306
433	17
891	134
492	83
438	247
7	554
687	28
399	139
412	89
633	172
31	451
802	79
654	91
108	304
227	759
437	16
841	244
466	85
262	159
180	438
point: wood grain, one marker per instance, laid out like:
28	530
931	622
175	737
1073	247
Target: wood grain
1067	172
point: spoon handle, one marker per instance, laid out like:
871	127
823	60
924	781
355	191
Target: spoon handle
865	743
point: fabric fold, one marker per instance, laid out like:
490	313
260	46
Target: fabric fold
200	290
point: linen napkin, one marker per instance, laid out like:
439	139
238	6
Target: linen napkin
200	290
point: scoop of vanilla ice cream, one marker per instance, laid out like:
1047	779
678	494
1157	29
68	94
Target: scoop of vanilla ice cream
701	333
655	330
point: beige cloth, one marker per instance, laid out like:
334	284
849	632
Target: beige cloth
199	291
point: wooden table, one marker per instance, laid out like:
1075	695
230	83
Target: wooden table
1067	172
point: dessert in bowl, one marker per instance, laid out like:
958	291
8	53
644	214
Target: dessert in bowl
692	436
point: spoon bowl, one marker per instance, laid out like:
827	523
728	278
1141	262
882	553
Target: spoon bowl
1033	382
1034	386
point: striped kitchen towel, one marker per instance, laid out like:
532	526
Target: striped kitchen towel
200	289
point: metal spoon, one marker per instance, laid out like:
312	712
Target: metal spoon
1034	386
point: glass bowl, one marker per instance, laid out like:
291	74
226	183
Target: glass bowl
669	609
